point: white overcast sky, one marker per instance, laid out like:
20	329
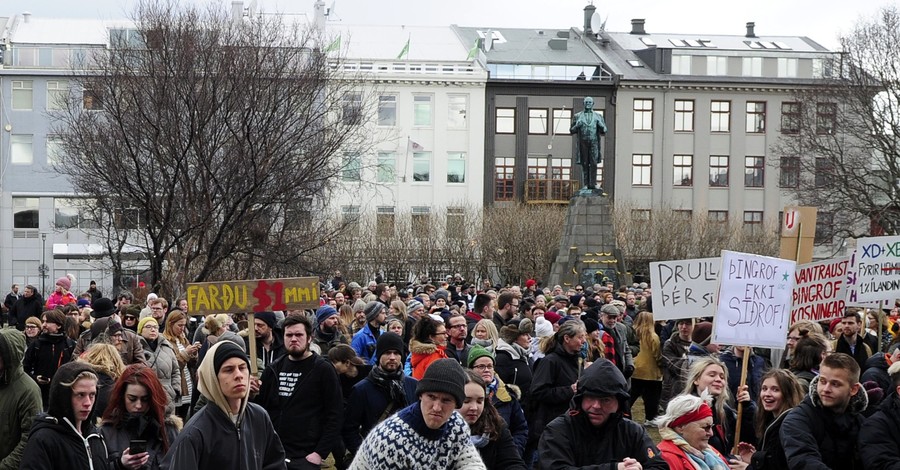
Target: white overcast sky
821	20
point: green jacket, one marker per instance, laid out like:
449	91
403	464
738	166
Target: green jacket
20	399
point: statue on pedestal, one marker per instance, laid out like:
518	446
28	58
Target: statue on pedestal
587	127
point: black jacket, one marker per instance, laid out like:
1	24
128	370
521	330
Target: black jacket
270	356
501	454
551	388
25	307
54	441
118	438
770	455
570	441
816	438
876	371
365	408
861	354
879	439
513	366
44	356
310	420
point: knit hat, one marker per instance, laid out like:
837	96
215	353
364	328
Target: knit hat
323	313
55	316
511	331
530	283
442	294
542	328
702	333
64	282
444	376
113	328
37	322
476	352
103	308
565	319
99	326
414	305
144	321
226	351
590	302
267	317
372	310
389	341
552	317
610	309
83	303
590	325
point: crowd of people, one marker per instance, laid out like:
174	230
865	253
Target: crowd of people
445	375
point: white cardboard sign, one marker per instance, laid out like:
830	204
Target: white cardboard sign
684	288
820	290
874	271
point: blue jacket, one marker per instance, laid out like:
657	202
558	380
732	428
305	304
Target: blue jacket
366	406
756	367
364	343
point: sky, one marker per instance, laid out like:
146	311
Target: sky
821	20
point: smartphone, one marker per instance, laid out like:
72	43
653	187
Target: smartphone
137	446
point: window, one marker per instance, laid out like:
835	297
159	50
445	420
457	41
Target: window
456	167
537	168
457	110
826	117
387	110
720	116
756	117
21	149
54	150
753	221
57	94
787	68
684	170
387	167
824	228
26	212
789	176
718	171
420	221
640	215
66	214
506	120
22	95
92	98
681	64
752	67
684	214
384	222
504	178
537	121
717	65
824	171
352	167
421	167
640	169
790	118
717	217
351	108
350	220
754	172
456	223
643	115
422	110
129	219
562	121
684	115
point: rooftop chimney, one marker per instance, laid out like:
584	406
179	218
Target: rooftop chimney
750	26
588	14
26	16
237	10
637	26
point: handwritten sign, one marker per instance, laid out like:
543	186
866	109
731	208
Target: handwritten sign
205	298
685	288
820	290
754	300
875	270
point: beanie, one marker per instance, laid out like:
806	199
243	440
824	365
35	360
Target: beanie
83	303
414	305
590	325
64	282
372	310
542	328
267	317
323	313
113	328
478	351
552	317
702	333
442	294
389	341
226	351
444	376
55	316
144	321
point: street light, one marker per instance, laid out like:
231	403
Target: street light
43	267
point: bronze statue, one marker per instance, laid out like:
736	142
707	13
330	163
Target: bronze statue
587	127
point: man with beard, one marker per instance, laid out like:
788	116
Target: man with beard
327	335
386	390
365	339
51	350
850	342
301	392
269	345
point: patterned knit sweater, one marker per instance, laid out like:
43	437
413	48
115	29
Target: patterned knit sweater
404	442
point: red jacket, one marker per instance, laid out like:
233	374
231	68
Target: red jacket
678	459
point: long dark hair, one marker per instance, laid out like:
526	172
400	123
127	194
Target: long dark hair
138	374
791	396
425	328
490	422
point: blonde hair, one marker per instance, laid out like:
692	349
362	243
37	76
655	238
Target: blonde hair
492	332
644	328
214	323
105	358
696	371
400	309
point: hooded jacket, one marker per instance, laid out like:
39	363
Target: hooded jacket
44	356
513	366
20	399
817	438
55	439
551	388
213	441
422	355
879	439
571	442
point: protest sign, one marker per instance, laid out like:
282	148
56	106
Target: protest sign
819	290
685	288
754	300
874	270
259	295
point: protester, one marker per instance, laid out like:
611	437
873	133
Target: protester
780	393
137	411
327	333
27	306
61	295
514	364
364	340
646	382
457	347
797	330
162	357
685	431
108	366
808	354
850	342
594	433
504	398
485	334
176	323
33	328
52	349
490	433
20	399
879	439
427	345
269	345
709	375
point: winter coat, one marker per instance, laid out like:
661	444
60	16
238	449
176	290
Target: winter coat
862	351
879	439
723	432
756	367
676	459
366	407
770	453
25	308
551	388
646	362
164	361
674	352
876	371
422	355
44	356
364	342
570	441
322	340
513	366
502	453
118	438
58	300
816	438
20	399
506	402
132	352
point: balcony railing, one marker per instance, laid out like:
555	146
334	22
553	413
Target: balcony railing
544	191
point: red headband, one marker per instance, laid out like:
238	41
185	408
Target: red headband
703	412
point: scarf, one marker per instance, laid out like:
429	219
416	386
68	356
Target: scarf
392	383
706	459
485	343
493	386
480	440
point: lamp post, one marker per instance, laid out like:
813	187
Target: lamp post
43	268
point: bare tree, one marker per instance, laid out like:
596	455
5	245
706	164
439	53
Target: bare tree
220	135
840	150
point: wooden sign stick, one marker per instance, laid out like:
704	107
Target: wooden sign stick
251	340
740	405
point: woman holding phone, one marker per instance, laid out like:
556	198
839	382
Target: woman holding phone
136	430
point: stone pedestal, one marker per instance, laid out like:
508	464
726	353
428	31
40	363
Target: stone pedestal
587	250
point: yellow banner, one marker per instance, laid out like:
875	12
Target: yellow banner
260	295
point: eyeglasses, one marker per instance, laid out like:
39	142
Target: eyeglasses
441	333
151	327
483	367
707	428
31	327
457	326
